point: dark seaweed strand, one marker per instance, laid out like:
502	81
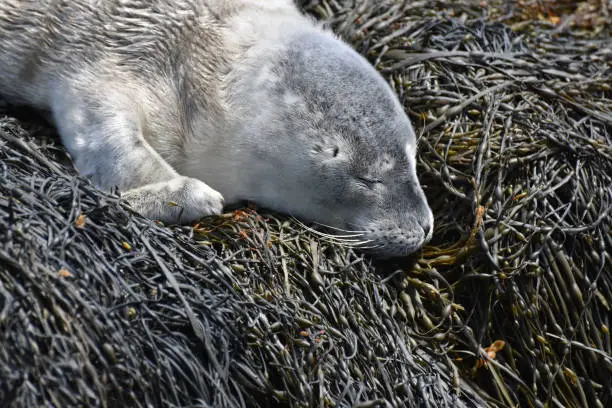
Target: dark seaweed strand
515	157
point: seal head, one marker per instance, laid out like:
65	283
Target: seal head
326	139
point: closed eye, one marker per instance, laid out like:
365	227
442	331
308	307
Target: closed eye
369	182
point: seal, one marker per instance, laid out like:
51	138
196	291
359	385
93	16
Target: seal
188	105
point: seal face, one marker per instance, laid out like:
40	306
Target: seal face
212	102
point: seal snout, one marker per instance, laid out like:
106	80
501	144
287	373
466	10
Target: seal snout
394	238
427	230
427	224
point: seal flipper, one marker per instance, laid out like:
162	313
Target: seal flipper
101	128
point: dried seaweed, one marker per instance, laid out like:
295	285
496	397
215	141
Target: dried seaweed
508	305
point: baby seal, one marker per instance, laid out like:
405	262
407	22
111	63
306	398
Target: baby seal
189	104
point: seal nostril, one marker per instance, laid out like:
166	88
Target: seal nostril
426	229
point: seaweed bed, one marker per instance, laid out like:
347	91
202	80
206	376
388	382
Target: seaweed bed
509	304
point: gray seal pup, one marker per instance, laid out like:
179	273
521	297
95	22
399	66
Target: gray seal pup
187	105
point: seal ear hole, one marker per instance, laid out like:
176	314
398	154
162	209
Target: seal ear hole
336	151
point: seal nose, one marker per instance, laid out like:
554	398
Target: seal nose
427	225
426	229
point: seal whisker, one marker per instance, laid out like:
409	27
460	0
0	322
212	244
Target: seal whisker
340	229
359	244
350	233
372	247
323	234
348	241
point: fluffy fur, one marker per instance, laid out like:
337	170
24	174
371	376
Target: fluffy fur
201	102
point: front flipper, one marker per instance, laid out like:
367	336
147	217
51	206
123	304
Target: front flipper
101	127
181	199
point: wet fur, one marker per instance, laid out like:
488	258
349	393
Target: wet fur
206	102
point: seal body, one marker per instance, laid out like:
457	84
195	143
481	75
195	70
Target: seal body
189	104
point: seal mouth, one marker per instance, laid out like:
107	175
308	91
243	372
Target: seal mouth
394	242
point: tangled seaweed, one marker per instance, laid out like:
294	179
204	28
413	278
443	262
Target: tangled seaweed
508	305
